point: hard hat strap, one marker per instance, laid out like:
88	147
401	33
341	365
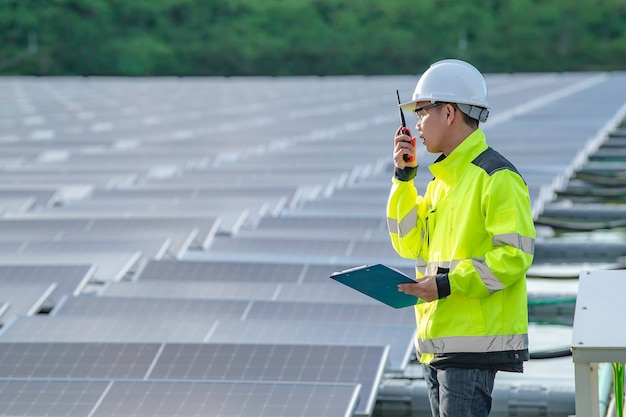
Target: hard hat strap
475	112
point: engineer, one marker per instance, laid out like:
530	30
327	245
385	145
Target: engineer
472	235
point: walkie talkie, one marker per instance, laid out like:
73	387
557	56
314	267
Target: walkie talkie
405	131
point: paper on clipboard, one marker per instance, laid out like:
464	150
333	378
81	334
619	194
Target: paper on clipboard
379	282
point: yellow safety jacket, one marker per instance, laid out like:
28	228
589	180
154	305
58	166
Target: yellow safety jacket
473	229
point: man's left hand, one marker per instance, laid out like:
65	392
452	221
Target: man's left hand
425	288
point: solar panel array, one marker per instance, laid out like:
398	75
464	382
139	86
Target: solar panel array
166	250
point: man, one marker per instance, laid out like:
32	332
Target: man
472	235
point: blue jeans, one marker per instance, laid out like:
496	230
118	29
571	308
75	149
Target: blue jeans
458	392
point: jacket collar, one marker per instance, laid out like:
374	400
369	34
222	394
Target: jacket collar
450	168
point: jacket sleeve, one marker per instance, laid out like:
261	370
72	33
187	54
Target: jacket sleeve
510	228
405	218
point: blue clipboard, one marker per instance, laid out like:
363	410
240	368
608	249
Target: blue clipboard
379	282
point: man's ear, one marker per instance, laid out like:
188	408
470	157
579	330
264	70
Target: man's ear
450	113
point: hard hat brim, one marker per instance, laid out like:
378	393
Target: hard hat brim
408	106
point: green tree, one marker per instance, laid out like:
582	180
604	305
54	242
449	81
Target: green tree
294	37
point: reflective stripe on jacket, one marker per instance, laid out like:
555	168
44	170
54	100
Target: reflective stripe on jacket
475	222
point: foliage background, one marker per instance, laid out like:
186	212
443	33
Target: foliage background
300	37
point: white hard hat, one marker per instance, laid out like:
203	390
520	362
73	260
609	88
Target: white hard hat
453	81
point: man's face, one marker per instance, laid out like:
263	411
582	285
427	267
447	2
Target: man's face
431	125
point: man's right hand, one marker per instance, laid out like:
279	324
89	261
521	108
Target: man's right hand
404	145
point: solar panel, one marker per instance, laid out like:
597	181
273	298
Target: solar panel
224	399
302	233
400	339
322	222
219	193
11	160
98	329
170	308
193	289
282	167
207	226
286	250
128	159
229	217
369	191
180	240
109	266
210	205
69	279
33	233
316	292
219	271
11	246
167	308
231	362
54	179
140	226
378	251
330	208
330	312
50	397
42	196
24	298
54	225
214	178
16	204
153	248
75	360
321	293
286	246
